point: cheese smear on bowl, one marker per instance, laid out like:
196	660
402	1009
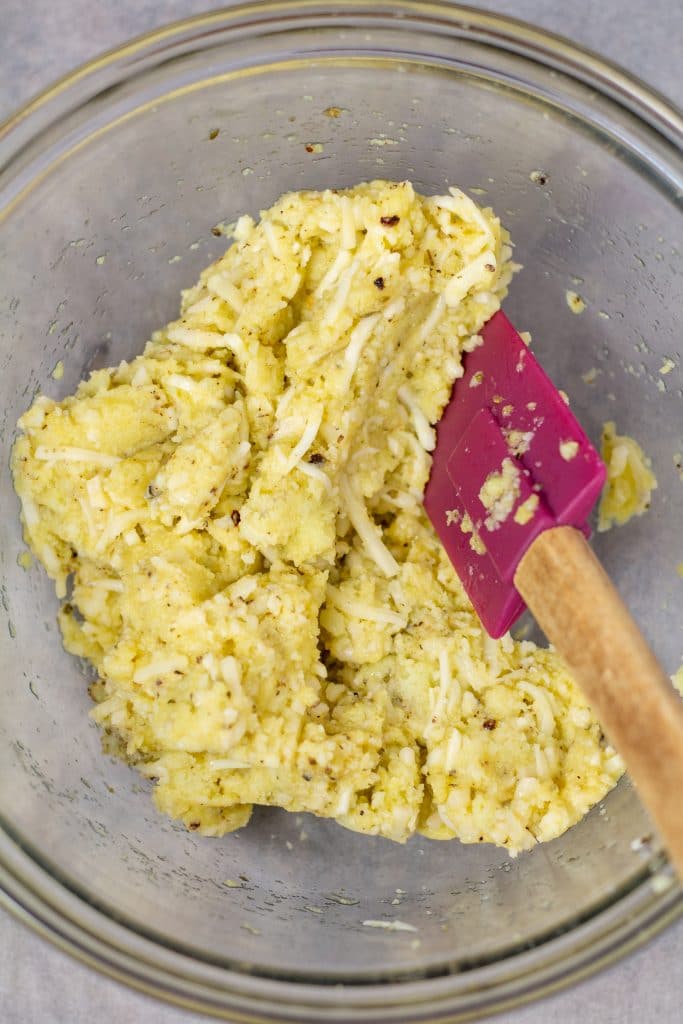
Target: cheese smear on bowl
630	480
234	523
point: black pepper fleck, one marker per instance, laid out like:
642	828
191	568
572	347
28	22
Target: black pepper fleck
389	222
236	517
379	283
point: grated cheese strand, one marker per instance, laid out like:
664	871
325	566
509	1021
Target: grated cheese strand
426	434
71	454
363	610
366	529
339	264
348	224
223	287
470	276
342	294
316	473
307	438
359	336
431	321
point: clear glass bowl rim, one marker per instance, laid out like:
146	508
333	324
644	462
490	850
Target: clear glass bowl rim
48	906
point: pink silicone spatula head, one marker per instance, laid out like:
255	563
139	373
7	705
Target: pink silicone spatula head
511	461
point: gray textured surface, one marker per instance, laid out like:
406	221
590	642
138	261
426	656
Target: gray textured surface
42	39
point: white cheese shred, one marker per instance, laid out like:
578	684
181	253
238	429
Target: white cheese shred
316	473
339	301
71	454
307	438
359	336
363	610
426	434
366	529
431	321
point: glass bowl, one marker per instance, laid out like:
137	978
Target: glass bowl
111	183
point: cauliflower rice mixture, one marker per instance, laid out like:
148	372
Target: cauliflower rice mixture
236	517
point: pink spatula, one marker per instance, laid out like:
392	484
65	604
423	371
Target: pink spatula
514	479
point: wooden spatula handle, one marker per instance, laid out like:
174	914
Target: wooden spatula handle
579	610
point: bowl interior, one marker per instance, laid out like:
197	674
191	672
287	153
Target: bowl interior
109	215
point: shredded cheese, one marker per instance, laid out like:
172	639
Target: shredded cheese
196	338
426	434
316	473
339	301
368	532
306	440
431	321
359	336
223	287
72	454
273	626
362	610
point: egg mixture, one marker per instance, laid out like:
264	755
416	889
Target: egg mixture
234	525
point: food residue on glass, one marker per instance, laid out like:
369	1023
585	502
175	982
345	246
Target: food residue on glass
630	480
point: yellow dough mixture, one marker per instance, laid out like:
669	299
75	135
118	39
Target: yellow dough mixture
630	480
234	521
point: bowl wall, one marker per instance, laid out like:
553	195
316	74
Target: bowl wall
110	193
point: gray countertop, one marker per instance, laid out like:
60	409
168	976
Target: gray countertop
43	39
